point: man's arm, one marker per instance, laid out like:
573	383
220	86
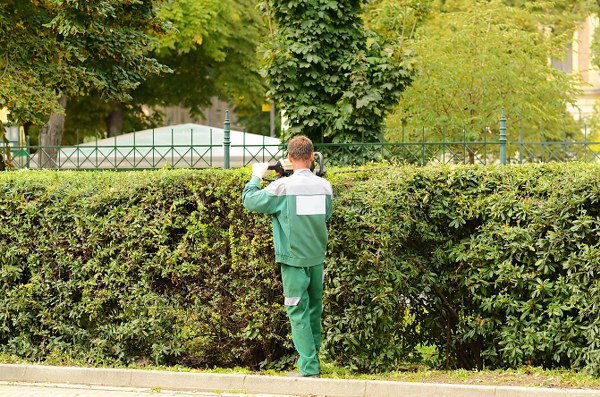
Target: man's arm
256	199
329	207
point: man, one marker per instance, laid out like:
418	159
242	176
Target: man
300	205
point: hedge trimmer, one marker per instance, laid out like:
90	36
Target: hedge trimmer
284	168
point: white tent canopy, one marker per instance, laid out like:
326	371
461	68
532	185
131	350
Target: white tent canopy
182	146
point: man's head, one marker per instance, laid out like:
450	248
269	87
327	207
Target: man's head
300	152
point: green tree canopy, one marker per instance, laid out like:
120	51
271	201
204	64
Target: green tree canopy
72	47
397	21
54	49
476	60
211	49
332	77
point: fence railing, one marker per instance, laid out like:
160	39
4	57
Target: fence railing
471	152
213	147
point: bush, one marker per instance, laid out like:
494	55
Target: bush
162	266
495	266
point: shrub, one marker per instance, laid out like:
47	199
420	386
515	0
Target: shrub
495	266
163	266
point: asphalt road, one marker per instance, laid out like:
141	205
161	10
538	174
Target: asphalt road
12	389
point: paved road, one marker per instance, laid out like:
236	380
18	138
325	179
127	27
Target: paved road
12	389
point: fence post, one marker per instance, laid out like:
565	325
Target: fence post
226	140
28	151
503	138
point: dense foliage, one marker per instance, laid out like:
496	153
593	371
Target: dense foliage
211	50
496	267
491	266
475	58
51	50
332	78
473	61
72	47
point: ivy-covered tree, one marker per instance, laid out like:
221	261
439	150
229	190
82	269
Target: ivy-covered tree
51	50
332	78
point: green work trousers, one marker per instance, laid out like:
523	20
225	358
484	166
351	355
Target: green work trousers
303	291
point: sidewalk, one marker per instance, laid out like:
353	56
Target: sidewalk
259	384
56	390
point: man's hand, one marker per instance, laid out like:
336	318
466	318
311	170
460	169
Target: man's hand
259	170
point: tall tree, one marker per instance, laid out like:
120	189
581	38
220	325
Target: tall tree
559	16
397	21
474	61
331	77
211	50
51	50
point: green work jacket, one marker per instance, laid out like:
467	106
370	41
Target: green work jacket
300	205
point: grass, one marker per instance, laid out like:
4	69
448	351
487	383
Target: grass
525	376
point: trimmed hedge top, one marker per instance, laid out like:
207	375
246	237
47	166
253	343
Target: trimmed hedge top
492	266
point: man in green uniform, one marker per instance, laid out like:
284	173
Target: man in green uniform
300	205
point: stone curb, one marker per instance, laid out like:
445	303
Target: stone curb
261	384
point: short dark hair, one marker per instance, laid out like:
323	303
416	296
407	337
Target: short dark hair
300	148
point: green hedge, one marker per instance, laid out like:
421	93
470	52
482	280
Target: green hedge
493	266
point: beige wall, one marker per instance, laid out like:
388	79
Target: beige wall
580	62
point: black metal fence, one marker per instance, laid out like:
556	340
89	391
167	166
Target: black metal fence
213	147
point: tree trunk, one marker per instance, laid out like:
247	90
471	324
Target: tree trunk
115	121
27	128
3	146
51	135
471	154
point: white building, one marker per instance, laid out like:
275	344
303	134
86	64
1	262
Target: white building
180	146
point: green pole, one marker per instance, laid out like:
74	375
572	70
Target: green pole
503	138
226	140
28	143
